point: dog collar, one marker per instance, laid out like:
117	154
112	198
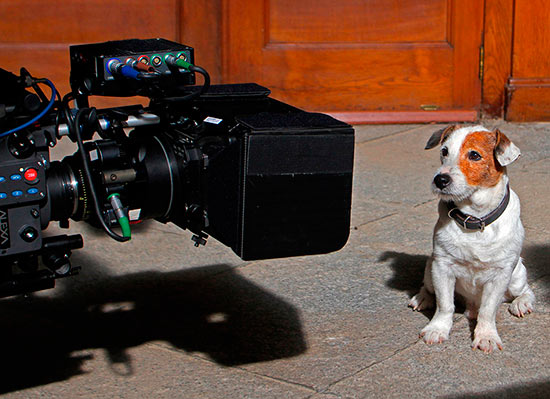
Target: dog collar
470	222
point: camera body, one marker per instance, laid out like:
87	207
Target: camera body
260	176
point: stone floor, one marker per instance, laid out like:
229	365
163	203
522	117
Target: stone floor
158	318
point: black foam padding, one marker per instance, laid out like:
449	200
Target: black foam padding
289	121
236	90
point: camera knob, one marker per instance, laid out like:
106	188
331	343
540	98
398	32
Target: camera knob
29	234
20	145
58	262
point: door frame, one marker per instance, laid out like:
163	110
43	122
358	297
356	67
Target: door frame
497	60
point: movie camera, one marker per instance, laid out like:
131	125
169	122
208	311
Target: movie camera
227	161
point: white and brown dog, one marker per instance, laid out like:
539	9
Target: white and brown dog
478	238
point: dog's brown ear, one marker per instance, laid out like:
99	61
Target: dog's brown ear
506	152
439	137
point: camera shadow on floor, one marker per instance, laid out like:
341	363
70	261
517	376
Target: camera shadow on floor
212	310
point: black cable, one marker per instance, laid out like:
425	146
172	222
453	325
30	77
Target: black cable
148	75
194	94
87	173
38	116
66	110
33	82
202	71
39	91
58	107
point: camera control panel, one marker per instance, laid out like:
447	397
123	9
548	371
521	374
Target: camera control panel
21	183
22	188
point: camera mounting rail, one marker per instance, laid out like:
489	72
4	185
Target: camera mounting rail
134	116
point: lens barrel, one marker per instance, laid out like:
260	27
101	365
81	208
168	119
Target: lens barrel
145	173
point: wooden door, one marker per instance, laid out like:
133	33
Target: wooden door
36	34
361	60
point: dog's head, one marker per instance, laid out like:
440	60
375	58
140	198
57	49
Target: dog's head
472	157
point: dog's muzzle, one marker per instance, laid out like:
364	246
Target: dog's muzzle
442	180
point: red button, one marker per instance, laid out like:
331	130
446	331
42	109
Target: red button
31	174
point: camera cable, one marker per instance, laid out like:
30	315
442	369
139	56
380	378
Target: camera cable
181	63
91	115
65	109
40	114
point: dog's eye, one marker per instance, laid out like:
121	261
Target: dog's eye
474	156
444	152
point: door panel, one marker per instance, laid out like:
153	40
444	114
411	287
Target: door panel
36	34
390	21
81	21
359	56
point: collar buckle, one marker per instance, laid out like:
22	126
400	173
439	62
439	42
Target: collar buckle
477	223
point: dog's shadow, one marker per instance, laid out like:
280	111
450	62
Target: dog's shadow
536	259
408	271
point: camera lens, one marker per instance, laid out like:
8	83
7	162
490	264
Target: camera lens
66	191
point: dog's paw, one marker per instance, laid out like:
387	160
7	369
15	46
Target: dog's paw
521	306
434	335
487	341
423	300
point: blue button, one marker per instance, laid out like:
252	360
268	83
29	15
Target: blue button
17	193
3	195
2	179
15	177
32	191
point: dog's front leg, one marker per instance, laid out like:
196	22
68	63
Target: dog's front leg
439	327
485	334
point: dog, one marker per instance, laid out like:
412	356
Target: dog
477	239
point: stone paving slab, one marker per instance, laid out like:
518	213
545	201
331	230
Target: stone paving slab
453	370
393	169
365	133
159	318
152	371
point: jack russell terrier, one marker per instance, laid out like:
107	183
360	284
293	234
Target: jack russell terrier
478	238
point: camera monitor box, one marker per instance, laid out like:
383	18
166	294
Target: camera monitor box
262	177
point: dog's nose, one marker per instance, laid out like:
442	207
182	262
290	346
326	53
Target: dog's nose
441	181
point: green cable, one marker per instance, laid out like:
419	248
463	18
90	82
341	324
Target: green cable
122	219
125	226
183	64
